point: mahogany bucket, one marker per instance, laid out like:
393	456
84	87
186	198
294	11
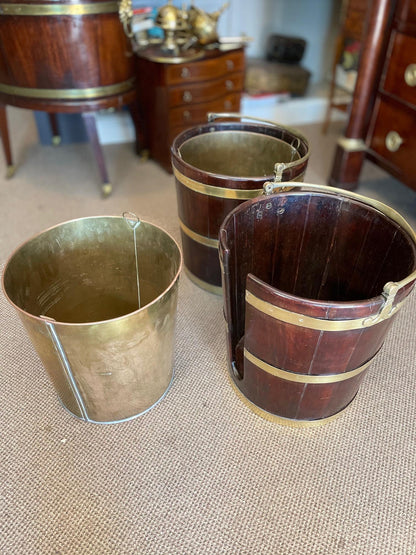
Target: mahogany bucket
65	56
219	165
98	297
313	277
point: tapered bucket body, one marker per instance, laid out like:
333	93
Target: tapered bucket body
98	297
218	166
312	282
64	56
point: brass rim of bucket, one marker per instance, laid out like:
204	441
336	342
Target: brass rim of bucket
145	307
254	128
390	213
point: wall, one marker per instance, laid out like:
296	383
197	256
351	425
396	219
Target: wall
316	21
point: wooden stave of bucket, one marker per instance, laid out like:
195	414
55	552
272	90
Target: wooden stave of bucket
202	197
272	380
50	61
105	370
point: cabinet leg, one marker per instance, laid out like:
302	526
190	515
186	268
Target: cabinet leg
91	129
139	127
4	130
53	121
347	165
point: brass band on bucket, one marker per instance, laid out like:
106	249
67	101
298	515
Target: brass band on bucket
59	9
216	289
212	191
291	422
68	94
311	322
201	239
304	378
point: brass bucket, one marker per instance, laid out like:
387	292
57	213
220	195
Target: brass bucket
98	299
219	165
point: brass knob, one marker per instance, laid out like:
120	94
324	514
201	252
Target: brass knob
229	84
393	141
187	96
229	64
410	75
185	72
187	115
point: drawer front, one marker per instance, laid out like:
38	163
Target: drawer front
393	137
195	114
206	91
400	77
213	68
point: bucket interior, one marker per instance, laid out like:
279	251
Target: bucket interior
315	246
239	153
85	270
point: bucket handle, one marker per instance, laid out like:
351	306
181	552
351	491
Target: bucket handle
212	116
391	288
133	222
279	167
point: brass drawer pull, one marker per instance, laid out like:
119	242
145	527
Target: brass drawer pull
185	72
229	64
187	115
187	96
393	141
229	85
410	75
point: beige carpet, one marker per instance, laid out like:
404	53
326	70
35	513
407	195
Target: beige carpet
199	473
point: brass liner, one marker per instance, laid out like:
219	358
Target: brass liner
99	305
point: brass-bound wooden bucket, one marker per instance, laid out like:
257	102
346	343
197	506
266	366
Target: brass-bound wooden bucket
98	297
218	166
64	56
313	279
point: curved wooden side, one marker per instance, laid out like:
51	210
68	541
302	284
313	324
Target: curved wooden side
204	199
67	63
302	277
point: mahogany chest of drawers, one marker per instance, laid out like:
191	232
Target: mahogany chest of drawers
382	121
175	96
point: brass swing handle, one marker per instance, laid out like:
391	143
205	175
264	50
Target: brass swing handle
391	288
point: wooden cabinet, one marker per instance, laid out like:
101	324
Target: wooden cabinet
173	97
383	115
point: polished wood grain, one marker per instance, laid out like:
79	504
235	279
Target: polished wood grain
176	96
65	63
63	52
204	213
269	249
382	101
4	130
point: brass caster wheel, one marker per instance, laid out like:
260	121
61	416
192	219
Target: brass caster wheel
10	171
144	155
56	140
106	189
